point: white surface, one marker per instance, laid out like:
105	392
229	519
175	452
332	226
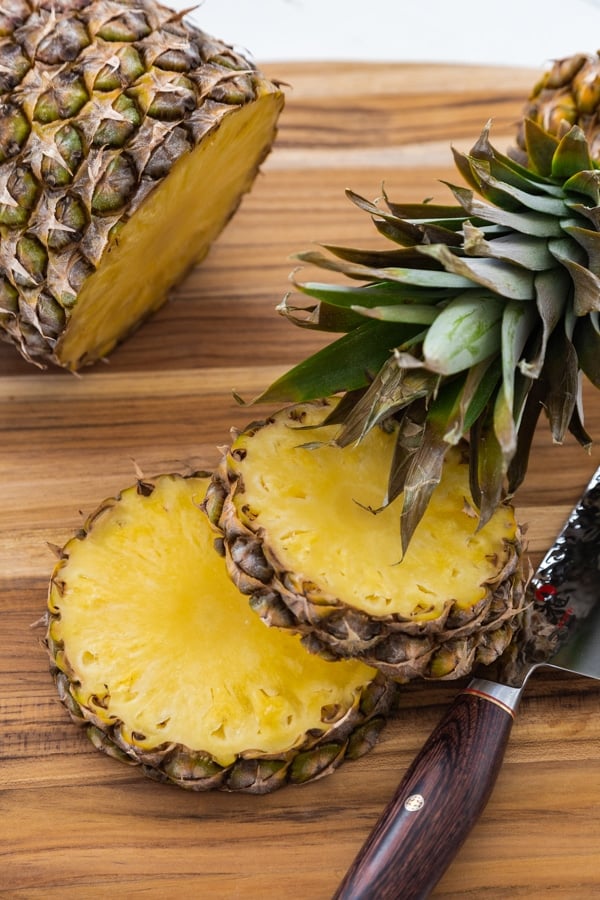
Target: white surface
511	32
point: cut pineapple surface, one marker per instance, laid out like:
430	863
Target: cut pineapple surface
303	539
172	231
156	648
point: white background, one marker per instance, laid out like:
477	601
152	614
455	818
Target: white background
511	32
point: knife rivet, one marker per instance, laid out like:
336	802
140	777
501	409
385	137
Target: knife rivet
414	802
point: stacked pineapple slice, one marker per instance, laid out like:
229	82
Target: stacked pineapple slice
302	539
155	651
483	312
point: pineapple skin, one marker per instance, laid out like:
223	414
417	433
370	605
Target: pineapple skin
346	733
100	102
567	93
402	647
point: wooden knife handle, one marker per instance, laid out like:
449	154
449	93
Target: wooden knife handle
438	802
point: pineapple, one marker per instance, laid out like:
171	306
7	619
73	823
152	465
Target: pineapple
155	651
478	315
567	94
127	139
304	537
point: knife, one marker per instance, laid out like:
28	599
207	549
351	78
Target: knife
449	783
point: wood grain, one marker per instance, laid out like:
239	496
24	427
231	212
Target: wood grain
74	824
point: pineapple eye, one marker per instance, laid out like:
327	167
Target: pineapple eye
64	43
120	71
71	214
115	132
130	26
51	315
70	147
115	186
33	256
14	130
13	66
63	100
177	60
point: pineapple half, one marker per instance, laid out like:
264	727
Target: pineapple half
127	139
308	536
157	653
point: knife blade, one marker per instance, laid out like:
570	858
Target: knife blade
449	783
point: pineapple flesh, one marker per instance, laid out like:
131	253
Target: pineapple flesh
127	140
156	651
308	535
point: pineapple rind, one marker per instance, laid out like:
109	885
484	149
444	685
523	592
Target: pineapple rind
443	639
130	554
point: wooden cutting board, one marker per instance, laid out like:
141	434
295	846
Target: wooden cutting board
74	824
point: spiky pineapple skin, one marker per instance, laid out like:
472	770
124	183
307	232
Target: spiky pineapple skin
98	103
347	734
567	93
403	648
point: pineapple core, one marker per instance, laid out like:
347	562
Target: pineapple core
313	507
170	232
156	636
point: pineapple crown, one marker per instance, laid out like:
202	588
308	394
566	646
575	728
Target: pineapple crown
483	314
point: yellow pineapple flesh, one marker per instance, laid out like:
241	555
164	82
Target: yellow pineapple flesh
156	650
303	540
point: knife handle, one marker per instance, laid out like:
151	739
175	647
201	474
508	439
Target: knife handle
438	801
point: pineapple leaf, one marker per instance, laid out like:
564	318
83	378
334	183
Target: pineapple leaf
423	315
505	279
586	183
423	476
417	277
402	256
518	321
532	407
391	390
541	147
561	372
572	155
347	364
466	332
486	466
586	339
509	171
576	426
586	285
551	290
526	250
321	316
590	241
533	223
409	438
423	213
373	294
511	197
405	233
478	384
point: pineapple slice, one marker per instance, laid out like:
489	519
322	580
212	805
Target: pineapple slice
127	140
302	539
157	652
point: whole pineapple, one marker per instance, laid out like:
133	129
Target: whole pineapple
127	139
155	651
